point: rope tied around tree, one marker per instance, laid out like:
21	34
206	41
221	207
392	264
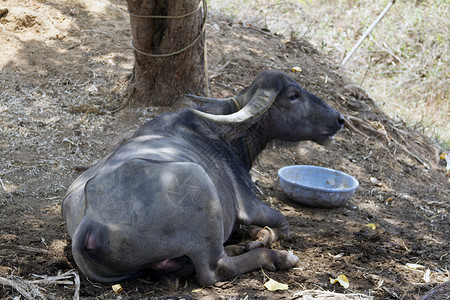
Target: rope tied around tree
171	17
201	3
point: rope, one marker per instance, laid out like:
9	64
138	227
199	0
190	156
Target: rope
202	30
236	103
168	17
168	54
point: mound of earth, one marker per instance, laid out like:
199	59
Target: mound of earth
65	67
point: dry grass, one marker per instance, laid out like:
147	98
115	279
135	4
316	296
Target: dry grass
403	64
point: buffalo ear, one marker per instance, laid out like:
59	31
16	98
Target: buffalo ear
259	103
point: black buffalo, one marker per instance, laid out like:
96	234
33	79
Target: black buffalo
178	187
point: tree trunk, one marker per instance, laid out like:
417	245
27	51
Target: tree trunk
163	74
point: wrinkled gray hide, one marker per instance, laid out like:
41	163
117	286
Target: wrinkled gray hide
179	186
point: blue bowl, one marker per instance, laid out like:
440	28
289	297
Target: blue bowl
317	186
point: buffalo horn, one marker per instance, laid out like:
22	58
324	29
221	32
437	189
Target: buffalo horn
258	104
208	99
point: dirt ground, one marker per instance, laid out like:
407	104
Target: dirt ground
64	70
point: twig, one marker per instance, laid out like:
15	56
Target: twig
96	31
31	249
2	185
318	294
76	280
259	189
285	3
367	71
385	48
352	127
368	31
30	289
308	27
415	156
367	127
26	290
219	71
255	170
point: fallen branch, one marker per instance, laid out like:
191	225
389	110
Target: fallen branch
30	289
351	121
220	70
427	166
349	125
32	249
368	127
368	31
2	185
17	285
325	295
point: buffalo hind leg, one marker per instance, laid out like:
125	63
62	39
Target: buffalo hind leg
233	250
258	238
222	267
263	237
268	226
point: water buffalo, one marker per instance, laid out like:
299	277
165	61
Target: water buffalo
181	183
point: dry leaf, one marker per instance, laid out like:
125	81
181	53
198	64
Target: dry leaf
4	271
415	266
273	285
342	279
371	225
197	290
376	182
117	288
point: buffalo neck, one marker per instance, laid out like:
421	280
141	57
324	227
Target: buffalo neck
246	140
253	140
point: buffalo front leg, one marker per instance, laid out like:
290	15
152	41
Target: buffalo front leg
222	267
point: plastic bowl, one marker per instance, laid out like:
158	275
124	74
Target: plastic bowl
317	186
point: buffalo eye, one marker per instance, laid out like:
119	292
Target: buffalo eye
293	97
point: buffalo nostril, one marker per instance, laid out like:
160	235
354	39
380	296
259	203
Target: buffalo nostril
90	243
91	240
341	120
